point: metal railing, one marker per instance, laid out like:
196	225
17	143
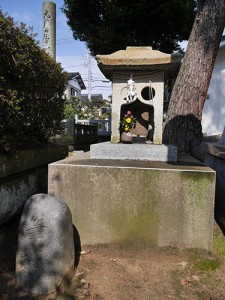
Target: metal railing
103	126
80	133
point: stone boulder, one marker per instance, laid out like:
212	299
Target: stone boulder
46	254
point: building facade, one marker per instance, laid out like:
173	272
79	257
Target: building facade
75	85
213	117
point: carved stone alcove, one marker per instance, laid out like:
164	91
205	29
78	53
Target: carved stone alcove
144	100
144	115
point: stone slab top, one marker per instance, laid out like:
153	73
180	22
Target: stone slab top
136	151
137	58
185	163
215	149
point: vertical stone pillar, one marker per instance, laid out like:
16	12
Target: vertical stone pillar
49	28
116	107
158	108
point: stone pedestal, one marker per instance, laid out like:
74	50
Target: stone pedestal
139	203
145	152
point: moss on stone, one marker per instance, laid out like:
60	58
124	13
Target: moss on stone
135	228
196	188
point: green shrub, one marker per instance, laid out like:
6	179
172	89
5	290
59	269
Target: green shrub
85	109
72	107
31	89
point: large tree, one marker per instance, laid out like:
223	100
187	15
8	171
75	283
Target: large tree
183	122
110	25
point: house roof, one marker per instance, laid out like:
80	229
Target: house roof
94	97
77	76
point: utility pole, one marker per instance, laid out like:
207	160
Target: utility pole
89	75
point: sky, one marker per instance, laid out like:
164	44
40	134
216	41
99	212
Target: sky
70	53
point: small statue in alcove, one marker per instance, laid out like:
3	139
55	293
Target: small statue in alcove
131	91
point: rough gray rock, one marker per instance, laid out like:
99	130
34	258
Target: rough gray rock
46	254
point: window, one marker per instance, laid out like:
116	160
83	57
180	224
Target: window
148	93
74	92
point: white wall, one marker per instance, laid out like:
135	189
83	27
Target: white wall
213	118
72	84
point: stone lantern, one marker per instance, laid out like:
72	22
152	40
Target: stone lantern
138	76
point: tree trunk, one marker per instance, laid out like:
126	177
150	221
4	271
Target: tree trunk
183	122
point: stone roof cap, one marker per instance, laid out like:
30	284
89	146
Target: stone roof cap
137	58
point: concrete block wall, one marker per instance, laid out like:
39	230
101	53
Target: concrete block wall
23	174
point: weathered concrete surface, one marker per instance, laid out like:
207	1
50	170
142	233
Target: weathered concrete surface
222	140
143	151
23	174
15	191
45	255
215	149
141	202
218	164
215	159
21	161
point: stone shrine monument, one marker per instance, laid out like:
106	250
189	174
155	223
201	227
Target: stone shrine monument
139	76
140	193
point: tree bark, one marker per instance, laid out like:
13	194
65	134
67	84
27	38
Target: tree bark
183	122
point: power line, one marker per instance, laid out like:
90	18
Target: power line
101	86
64	39
63	43
74	66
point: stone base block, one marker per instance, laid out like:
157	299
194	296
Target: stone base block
147	152
137	202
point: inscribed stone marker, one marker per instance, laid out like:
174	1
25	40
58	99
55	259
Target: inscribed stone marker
46	253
